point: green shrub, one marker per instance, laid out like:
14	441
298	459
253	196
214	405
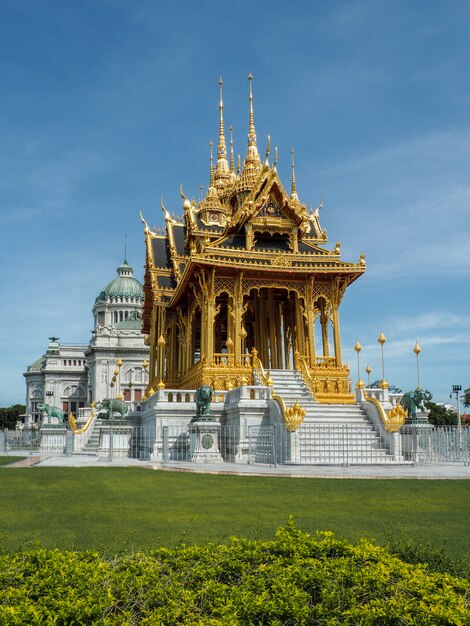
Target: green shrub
295	579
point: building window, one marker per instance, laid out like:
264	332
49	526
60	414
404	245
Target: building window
137	395
127	395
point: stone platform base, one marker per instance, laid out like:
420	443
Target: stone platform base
204	442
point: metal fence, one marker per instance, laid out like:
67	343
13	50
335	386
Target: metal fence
311	444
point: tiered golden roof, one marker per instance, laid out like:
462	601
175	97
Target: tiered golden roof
245	236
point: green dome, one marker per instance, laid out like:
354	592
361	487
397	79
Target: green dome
124	286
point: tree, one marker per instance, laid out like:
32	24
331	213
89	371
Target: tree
466	397
10	415
440	416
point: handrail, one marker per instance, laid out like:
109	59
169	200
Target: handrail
292	416
83	429
306	376
392	422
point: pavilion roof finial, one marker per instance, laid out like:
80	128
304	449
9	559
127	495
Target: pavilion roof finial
232	160
221	148
251	127
211	166
293	193
221	169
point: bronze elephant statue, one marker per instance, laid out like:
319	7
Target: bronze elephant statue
111	406
203	403
412	400
52	411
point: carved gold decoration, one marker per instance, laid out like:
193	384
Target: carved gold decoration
281	261
294	417
396	418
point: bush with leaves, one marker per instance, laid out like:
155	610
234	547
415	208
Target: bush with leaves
295	579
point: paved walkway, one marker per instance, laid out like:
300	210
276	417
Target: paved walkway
423	471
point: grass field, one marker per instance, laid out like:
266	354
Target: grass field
6	460
115	509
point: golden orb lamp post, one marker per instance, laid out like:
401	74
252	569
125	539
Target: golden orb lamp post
417	350
145	365
117	372
382	339
161	346
368	371
360	382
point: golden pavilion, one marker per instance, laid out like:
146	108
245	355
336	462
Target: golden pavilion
245	279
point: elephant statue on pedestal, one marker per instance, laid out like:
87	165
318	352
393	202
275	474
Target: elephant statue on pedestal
111	406
52	411
203	404
412	400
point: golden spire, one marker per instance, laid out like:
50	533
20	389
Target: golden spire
251	130
239	166
268	150
232	160
293	193
221	170
211	167
252	164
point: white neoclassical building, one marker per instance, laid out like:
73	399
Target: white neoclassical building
72	376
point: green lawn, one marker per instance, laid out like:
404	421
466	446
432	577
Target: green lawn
124	508
6	460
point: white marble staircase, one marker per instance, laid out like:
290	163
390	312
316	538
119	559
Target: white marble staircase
331	433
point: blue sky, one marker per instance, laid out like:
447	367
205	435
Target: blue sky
107	105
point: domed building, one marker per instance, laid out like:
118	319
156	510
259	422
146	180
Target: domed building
71	376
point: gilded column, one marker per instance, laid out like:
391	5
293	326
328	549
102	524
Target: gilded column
310	319
324	327
237	317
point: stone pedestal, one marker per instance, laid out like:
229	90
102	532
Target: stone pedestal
204	442
115	440
415	438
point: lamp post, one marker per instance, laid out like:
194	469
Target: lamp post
382	339
118	374
417	350
360	382
368	371
145	365
456	389
161	346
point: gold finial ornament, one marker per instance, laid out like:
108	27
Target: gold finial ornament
417	350
119	362
360	382
222	169
293	193
368	371
232	159
382	339
211	165
116	371
251	128
161	341
145	364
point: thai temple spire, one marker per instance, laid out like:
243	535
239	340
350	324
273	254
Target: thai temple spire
221	170
251	129
211	167
252	159
232	160
293	193
239	167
